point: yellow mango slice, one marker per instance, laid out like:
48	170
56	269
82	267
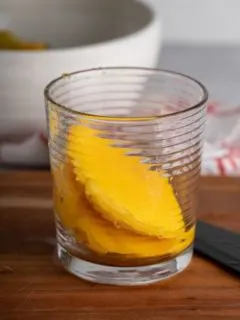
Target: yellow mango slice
9	41
122	188
103	237
66	195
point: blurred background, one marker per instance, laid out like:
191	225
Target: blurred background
203	38
39	40
200	22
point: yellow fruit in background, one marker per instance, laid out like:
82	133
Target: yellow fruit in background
121	188
9	41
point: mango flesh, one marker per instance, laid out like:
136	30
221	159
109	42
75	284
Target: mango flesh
104	238
112	203
101	236
9	41
121	188
66	195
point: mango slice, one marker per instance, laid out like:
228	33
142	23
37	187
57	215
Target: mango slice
101	236
66	195
121	188
9	41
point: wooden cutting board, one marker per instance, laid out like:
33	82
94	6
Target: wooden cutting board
33	286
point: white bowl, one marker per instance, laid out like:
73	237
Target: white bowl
81	34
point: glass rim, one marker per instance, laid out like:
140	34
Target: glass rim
49	98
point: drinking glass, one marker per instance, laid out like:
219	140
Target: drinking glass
125	149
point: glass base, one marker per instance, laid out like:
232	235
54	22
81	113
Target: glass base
124	276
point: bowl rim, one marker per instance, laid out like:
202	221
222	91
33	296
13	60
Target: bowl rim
154	22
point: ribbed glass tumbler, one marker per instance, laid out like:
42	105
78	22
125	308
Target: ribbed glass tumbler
125	149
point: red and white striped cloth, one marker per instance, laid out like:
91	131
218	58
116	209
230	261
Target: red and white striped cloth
221	155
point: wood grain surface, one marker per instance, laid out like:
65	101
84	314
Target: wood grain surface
33	285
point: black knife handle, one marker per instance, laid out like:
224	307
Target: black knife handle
218	244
